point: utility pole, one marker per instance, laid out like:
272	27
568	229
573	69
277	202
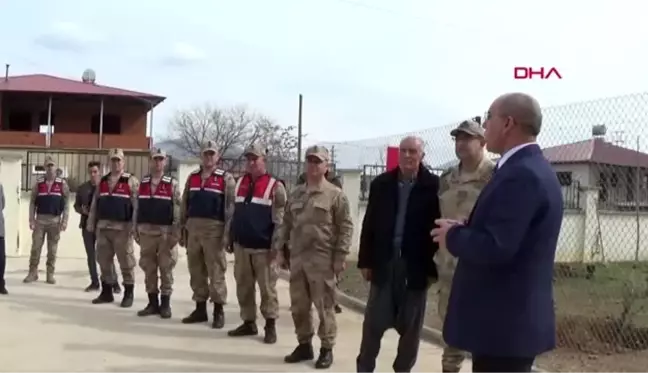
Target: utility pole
299	132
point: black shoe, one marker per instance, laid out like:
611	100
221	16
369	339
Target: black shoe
325	359
197	315
219	317
3	290
127	299
92	287
303	352
116	289
338	309
165	306
152	308
270	336
248	328
106	295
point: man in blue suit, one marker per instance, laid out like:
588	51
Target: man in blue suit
501	302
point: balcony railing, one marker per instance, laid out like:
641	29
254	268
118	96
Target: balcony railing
72	140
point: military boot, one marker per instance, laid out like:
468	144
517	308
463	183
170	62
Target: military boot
31	276
165	306
50	279
116	289
152	308
303	352
219	317
106	295
270	336
325	358
246	329
127	299
197	315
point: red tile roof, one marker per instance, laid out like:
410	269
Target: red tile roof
42	83
595	150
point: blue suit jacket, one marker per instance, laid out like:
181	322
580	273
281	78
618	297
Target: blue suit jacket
501	303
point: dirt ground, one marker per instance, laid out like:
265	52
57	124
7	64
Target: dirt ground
587	311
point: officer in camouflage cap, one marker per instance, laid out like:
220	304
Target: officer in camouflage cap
207	194
458	191
48	217
158	233
318	228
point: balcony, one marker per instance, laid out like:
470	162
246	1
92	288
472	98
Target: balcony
19	139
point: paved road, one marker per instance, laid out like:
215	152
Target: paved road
55	328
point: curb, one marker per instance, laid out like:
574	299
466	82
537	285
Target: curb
428	334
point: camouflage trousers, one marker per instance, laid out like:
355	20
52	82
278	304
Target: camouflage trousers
50	231
111	242
158	252
251	266
452	358
207	265
308	288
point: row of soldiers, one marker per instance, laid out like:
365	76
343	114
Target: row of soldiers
252	217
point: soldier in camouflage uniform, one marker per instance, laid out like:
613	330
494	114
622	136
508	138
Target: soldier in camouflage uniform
113	216
459	188
318	228
335	180
158	233
48	217
257	214
207	193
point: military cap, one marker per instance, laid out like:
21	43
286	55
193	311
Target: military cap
116	153
319	152
158	153
209	146
256	150
469	127
49	160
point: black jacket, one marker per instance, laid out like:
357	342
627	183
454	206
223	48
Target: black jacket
377	236
84	196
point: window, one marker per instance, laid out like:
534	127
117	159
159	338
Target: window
42	118
565	178
111	124
20	121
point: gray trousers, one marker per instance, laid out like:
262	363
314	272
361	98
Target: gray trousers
392	306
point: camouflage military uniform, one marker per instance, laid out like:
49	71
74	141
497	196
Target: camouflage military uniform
48	215
158	239
257	213
204	239
318	228
115	235
458	192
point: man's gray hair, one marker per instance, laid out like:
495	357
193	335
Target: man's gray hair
524	109
420	143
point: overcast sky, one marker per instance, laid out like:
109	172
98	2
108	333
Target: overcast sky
366	68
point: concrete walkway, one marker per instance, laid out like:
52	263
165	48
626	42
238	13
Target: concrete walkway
55	328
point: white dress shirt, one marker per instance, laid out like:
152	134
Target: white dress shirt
509	153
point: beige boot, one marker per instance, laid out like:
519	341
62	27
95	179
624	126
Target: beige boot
50	278
31	276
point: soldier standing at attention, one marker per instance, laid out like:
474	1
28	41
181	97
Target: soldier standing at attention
158	233
113	216
48	217
258	213
458	191
319	228
207	193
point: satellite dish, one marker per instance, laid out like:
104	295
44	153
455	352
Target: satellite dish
599	130
89	76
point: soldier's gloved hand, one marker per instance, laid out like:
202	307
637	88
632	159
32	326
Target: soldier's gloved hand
63	227
32	225
282	262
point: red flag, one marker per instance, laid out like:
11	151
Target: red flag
392	157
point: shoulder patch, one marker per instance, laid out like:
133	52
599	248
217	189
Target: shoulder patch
40	179
167	178
146	179
126	174
196	171
58	180
219	172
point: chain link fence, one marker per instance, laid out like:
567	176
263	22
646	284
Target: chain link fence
599	150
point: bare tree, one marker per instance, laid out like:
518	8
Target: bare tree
232	129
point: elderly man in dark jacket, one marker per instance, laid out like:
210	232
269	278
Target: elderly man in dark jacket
396	255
